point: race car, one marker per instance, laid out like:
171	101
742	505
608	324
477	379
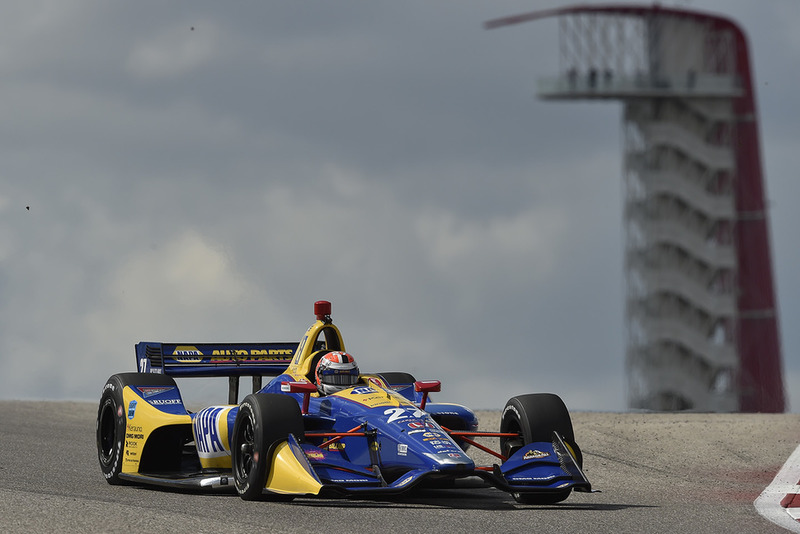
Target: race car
380	434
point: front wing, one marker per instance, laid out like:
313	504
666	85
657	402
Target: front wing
538	468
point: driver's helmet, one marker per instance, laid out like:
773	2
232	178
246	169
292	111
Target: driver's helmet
336	371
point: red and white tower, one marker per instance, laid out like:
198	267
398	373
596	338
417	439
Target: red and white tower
702	322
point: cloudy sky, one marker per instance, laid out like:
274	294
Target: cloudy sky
204	171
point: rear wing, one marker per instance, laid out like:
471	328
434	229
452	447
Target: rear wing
216	360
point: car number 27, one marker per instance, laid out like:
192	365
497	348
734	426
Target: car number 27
396	414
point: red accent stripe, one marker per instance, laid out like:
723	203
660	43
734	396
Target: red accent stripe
792	500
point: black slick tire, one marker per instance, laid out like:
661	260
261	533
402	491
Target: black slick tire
535	417
264	420
111	420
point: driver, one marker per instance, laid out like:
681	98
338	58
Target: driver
336	371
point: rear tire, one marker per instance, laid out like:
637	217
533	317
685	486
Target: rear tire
264	420
111	420
535	417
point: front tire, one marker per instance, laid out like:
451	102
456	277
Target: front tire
264	420
111	420
535	417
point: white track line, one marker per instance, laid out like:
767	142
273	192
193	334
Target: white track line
768	504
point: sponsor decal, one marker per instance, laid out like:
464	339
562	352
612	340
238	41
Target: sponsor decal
405	481
162	402
315	455
370	397
454	455
117	455
210	428
187	354
186	351
238	360
402	449
151	391
370	400
416	424
400	414
511	408
132	409
254	352
336	446
535	454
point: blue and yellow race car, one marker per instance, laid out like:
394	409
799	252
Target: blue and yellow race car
376	434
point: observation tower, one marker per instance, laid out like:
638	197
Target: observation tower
702	322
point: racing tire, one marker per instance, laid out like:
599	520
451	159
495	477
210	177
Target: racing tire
111	420
263	422
535	417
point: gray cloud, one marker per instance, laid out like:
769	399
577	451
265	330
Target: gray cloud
211	183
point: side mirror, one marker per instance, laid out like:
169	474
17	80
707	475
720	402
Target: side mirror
305	387
426	386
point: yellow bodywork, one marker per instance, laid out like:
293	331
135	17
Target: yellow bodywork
290	474
302	362
143	419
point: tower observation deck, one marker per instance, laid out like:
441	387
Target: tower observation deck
702	323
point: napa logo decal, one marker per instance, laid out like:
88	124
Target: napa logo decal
187	354
535	455
210	427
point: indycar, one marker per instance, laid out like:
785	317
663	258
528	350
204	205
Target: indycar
383	435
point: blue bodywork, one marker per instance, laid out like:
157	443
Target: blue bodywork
400	442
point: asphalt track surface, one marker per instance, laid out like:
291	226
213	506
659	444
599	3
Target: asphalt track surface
657	473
